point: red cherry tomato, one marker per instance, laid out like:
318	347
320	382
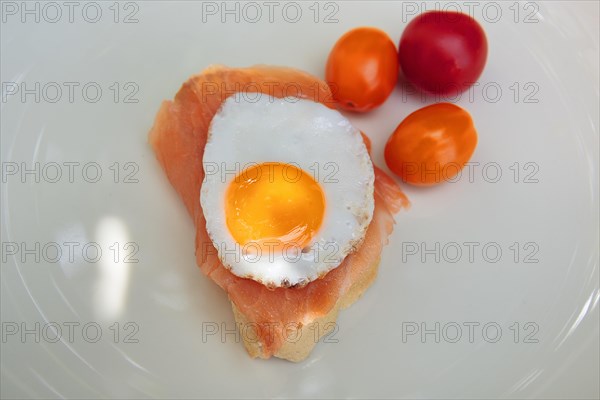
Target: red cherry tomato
432	144
443	52
362	69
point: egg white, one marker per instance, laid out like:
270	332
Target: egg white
257	128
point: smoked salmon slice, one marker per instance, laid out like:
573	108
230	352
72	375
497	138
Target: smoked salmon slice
178	138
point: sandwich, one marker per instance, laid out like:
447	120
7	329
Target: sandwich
291	214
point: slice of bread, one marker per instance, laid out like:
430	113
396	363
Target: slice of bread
308	335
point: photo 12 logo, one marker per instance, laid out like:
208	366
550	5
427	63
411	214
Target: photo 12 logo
471	252
253	332
70	92
69	252
491	12
69	331
253	92
517	92
289	172
469	332
328	253
54	12
518	172
69	172
253	12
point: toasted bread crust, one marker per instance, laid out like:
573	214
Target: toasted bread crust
308	335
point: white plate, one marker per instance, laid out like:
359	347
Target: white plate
547	204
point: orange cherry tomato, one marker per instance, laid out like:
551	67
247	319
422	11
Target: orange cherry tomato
432	144
362	69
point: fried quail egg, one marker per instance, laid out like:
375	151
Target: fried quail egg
288	188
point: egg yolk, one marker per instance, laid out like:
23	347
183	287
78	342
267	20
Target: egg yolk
274	204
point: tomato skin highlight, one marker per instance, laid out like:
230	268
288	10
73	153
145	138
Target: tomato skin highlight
443	52
431	145
362	69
